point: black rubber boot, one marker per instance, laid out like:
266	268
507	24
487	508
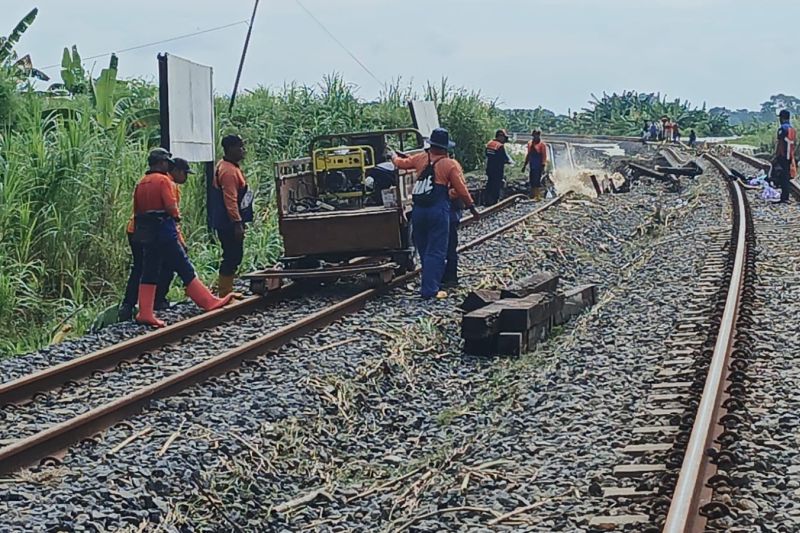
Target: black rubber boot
125	312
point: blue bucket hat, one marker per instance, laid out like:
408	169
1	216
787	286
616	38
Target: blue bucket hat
440	138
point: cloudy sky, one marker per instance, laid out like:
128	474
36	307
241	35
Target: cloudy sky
525	53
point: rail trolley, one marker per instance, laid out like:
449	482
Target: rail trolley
343	210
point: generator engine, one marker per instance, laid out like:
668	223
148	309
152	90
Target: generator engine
341	173
341	181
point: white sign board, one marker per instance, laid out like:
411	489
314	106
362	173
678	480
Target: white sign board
191	109
425	116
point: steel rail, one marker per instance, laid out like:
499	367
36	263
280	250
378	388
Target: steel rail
752	161
56	438
49	378
27	386
691	492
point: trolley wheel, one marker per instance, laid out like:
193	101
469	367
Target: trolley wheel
379	279
258	286
404	262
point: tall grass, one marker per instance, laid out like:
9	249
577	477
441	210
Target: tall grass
66	185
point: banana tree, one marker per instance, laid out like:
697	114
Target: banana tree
19	67
103	94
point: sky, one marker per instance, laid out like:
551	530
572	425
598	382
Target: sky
523	53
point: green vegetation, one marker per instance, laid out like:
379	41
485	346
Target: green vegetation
622	114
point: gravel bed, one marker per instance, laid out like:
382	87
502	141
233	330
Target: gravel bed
769	500
18	366
55	406
739	165
385	393
52	407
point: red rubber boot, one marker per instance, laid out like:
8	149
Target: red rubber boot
200	295
147	298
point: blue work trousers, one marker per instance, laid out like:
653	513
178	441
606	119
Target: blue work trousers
166	253
451	264
430	227
132	288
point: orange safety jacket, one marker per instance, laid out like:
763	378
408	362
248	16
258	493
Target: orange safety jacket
536	151
131	224
447	172
230	179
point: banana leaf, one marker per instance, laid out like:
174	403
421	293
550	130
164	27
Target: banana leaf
103	92
7	44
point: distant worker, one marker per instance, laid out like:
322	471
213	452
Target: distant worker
537	159
231	206
179	173
430	216
692	138
676	133
653	131
496	161
156	217
645	132
784	166
663	131
668	131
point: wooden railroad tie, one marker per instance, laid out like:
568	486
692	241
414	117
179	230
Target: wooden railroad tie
512	321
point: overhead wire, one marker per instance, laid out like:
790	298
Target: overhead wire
337	41
154	43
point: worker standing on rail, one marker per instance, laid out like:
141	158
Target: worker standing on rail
537	159
676	133
496	161
692	138
784	166
430	217
179	173
156	217
653	131
231	206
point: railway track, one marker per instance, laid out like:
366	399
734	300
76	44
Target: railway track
40	387
679	456
761	459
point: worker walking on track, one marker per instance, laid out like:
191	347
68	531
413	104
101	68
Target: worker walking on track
156	217
179	173
231	206
430	216
537	159
496	161
784	165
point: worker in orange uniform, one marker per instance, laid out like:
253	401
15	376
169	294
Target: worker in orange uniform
231	205
430	217
784	165
537	159
156	217
179	173
496	161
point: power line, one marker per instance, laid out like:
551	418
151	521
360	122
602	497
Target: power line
332	36
154	43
